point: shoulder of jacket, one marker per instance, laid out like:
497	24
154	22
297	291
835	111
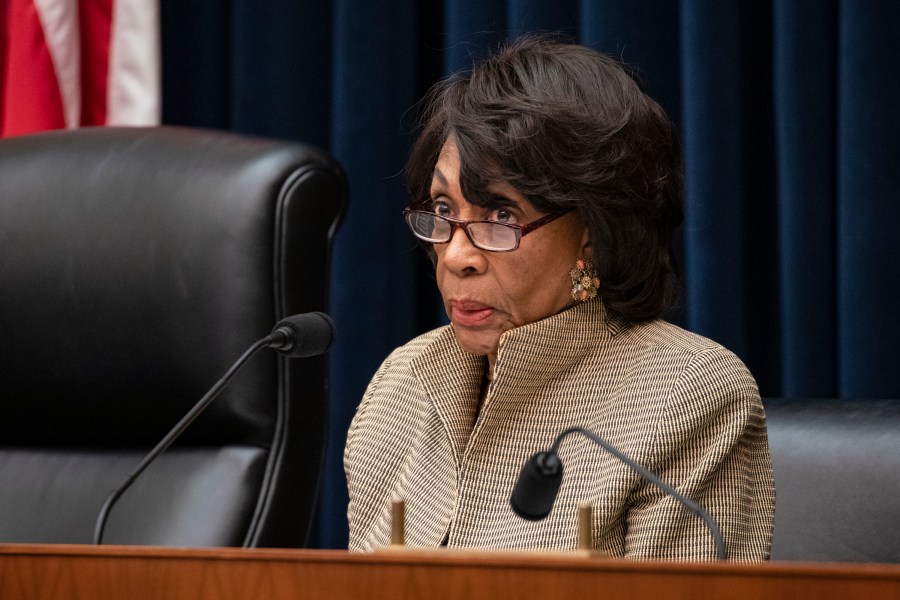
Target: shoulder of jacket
415	346
668	336
696	359
395	368
400	358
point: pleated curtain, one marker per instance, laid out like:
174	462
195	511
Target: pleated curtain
788	111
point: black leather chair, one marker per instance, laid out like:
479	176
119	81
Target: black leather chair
837	479
136	265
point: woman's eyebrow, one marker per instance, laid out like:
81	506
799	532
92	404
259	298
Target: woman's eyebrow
500	199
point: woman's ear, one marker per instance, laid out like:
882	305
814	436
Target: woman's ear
587	250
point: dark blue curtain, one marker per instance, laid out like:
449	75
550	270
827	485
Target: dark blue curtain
789	113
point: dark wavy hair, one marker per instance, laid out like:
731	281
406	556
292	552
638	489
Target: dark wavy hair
568	127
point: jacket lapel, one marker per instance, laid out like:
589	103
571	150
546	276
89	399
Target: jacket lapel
451	380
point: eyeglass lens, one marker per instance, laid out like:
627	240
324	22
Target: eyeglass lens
489	236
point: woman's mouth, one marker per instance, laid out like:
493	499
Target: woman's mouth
469	313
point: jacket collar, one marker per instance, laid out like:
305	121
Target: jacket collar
527	358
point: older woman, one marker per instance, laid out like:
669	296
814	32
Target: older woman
546	187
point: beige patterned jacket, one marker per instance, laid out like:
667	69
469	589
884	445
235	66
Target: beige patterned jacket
678	403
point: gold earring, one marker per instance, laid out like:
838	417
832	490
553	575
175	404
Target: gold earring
584	280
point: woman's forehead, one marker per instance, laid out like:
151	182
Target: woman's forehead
496	193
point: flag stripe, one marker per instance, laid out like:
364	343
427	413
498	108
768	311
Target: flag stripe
134	56
59	19
31	96
95	17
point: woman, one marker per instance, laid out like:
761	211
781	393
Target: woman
546	188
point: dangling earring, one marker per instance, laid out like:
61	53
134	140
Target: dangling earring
584	280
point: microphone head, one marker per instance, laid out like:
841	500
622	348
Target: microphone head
304	335
537	486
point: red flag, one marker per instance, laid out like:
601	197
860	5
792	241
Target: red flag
67	63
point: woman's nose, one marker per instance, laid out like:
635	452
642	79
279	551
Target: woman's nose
460	255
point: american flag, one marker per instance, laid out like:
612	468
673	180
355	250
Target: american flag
70	63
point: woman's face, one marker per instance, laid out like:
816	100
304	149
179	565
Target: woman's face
488	293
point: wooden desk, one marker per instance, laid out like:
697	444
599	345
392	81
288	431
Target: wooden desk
49	572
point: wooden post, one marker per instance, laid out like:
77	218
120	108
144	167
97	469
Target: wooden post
398	523
585	536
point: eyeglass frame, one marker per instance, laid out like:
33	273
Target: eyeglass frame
520	230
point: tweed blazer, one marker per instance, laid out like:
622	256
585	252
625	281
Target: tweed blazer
678	403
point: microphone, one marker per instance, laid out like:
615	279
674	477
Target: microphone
303	335
297	336
538	484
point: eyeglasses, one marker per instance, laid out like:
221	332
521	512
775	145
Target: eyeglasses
487	235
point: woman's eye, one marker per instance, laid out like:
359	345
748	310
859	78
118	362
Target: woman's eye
503	215
440	208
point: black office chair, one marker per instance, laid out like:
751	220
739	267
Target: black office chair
836	465
136	265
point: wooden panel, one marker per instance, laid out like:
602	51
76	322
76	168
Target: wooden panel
69	572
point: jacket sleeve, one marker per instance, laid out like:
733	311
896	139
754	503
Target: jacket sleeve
712	446
354	461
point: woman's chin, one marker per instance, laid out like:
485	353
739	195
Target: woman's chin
479	343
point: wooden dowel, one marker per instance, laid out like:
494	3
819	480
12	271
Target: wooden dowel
398	523
585	537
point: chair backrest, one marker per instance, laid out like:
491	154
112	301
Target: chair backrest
136	265
837	479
